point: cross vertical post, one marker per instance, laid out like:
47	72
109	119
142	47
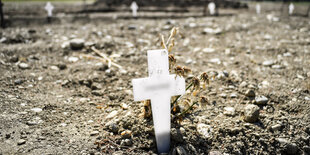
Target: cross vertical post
159	87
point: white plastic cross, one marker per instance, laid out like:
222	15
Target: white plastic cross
134	7
211	7
258	8
159	87
49	8
291	9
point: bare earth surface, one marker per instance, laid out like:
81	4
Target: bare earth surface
55	101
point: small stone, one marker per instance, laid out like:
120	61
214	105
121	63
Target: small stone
204	129
251	113
77	44
73	59
287	146
132	27
124	106
276	127
212	31
250	93
268	63
208	50
126	142
94	133
233	95
126	134
37	110
112	114
113	127
180	151
18	81
54	68
229	111
21	142
62	66
215	153
261	100
96	86
243	84
23	66
176	135
276	67
97	92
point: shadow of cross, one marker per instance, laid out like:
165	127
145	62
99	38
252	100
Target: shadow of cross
159	87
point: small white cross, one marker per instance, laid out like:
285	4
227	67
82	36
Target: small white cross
159	87
291	9
49	8
134	7
258	8
211	7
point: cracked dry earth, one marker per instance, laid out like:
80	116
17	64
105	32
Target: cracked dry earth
55	101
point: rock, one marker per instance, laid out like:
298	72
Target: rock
62	66
287	146
180	151
113	127
54	68
212	31
77	44
215	153
208	50
229	111
132	27
96	86
126	134
94	133
306	149
73	59
18	81
176	135
250	93
261	100
251	113
21	142
34	121
112	114
126	142
124	106
37	110
23	66
268	63
276	127
205	130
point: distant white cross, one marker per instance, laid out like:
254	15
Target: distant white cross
159	87
258	8
291	9
211	7
49	8
134	7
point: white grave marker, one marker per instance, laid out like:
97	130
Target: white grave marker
159	87
291	9
211	7
134	7
258	8
49	8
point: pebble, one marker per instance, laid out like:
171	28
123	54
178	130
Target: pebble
77	44
233	95
23	66
113	127
126	142
208	50
215	153
18	81
204	129
54	68
212	31
180	151
176	135
276	127
268	63
261	100
132	27
251	113
94	133
37	110
288	147
21	142
229	111
126	134
250	93
112	114
73	59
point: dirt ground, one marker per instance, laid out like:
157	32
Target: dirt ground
54	100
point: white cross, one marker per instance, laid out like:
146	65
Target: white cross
159	87
134	7
211	7
258	8
49	8
291	9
